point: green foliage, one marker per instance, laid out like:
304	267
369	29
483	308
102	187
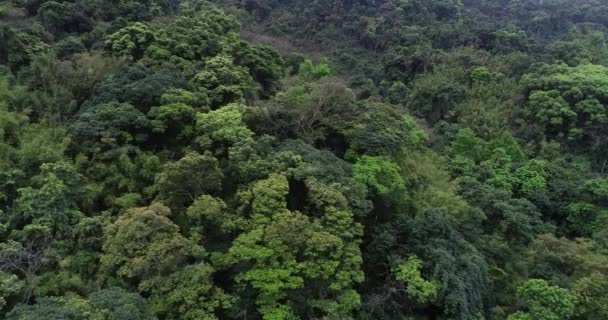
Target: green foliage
110	127
496	160
480	74
175	119
458	271
138	85
52	308
569	102
183	181
587	215
583	48
186	294
288	249
467	144
265	66
434	95
9	286
119	304
451	152
220	129
380	175
544	301
128	178
224	81
207	210
531	177
144	242
591	295
311	111
385	132
195	36
309	71
20	47
177	115
417	287
130	41
111	304
48	205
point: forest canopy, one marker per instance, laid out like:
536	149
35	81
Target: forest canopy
328	159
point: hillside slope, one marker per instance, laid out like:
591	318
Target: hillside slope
266	159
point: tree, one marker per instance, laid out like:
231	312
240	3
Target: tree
480	74
569	104
210	212
130	41
187	294
309	71
195	36
224	81
562	261
54	203
51	14
291	253
127	181
175	119
143	243
265	65
182	182
220	129
119	304
531	177
28	146
467	144
417	287
544	301
139	85
19	47
459	270
110	127
586	216
10	285
435	95
104	304
381	175
591	295
401	63
386	131
74	308
27	254
314	112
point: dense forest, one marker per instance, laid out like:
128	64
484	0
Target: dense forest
293	159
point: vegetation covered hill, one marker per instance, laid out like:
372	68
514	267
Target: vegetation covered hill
444	160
